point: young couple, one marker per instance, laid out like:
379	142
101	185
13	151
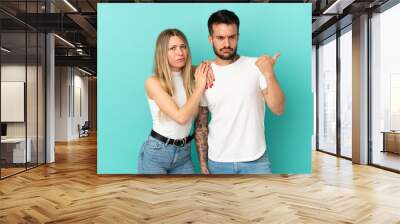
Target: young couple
232	88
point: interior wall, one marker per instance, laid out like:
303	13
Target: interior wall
61	103
17	73
71	102
80	110
92	109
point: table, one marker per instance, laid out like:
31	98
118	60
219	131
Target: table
17	150
391	141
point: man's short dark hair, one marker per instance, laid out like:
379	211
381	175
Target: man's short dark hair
222	16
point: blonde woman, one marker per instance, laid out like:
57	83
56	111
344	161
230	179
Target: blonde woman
173	95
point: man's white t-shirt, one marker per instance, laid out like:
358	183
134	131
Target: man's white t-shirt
236	129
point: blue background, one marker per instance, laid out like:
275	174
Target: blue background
126	41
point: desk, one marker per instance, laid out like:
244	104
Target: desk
391	141
17	150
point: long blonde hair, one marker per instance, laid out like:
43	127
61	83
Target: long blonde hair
162	69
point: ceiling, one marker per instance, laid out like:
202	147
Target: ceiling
76	22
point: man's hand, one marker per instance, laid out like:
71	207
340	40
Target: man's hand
273	94
266	64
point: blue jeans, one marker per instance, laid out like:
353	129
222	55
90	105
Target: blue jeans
259	166
156	157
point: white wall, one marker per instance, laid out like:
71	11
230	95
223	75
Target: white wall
79	117
10	73
61	103
16	72
12	101
33	127
70	94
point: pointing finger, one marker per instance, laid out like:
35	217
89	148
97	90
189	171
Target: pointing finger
276	56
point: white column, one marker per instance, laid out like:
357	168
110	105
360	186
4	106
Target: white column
50	110
50	91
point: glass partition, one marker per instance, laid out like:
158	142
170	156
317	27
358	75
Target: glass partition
327	96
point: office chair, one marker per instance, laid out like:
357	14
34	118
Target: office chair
84	130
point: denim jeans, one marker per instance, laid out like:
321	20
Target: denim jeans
156	157
259	166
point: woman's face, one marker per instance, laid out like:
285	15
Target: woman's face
177	53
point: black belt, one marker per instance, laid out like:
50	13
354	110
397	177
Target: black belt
177	142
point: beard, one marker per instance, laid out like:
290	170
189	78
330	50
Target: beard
230	56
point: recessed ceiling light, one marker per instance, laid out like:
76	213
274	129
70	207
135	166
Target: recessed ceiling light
338	6
84	71
5	50
64	40
71	6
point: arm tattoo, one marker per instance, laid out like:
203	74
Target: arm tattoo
201	135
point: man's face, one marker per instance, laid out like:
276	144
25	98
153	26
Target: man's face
224	40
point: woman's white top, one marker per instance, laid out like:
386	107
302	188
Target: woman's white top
165	125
